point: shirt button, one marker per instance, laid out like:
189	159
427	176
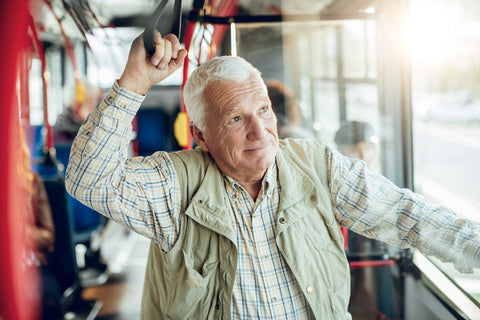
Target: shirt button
234	196
264	257
282	220
273	300
200	201
310	289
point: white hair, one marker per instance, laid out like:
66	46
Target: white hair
222	69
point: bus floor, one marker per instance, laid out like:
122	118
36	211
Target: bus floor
126	255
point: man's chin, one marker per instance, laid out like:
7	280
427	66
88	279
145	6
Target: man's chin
263	163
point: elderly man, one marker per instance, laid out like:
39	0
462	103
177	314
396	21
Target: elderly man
245	226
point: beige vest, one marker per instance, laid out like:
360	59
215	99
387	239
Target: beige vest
194	279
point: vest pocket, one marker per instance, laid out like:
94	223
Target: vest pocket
194	291
195	277
319	237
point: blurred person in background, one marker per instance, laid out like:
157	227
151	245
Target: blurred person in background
39	235
288	112
83	99
357	139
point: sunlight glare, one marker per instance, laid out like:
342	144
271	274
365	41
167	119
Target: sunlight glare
431	29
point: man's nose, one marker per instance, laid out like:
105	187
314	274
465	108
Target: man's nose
256	128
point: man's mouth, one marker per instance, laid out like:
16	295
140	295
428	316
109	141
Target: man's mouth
258	148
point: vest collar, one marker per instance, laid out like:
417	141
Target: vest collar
295	182
210	205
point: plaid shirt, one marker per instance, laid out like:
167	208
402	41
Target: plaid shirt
264	288
143	193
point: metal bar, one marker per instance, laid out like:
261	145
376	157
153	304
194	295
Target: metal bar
372	263
233	39
194	16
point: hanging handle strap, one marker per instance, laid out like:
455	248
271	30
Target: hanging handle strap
153	24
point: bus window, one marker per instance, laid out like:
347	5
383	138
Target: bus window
313	59
56	96
109	53
445	46
35	93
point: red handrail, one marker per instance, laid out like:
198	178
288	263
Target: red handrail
13	304
225	8
372	263
48	143
187	40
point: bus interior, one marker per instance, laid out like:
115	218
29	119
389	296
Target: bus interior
408	68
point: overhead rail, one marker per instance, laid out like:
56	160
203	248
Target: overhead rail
196	17
225	8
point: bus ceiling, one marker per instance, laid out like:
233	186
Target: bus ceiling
85	15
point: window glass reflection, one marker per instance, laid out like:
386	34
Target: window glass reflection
444	39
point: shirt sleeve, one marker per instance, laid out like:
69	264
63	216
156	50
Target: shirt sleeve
369	204
141	192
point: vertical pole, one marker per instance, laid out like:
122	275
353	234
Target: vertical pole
13	304
233	39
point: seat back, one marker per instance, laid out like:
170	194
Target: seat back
151	131
63	262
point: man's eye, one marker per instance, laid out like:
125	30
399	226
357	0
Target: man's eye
264	109
235	119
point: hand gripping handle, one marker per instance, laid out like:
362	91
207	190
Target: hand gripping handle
153	24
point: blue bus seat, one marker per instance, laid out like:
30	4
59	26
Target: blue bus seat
151	130
34	139
62	261
85	221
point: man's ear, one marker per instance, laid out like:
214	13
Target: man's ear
198	136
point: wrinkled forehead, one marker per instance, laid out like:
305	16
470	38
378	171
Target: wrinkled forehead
227	92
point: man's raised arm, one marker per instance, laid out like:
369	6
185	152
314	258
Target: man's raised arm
138	192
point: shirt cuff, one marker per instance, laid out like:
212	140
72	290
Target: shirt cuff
122	103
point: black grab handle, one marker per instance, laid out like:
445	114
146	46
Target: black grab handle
153	24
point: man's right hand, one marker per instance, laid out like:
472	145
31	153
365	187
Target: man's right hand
143	71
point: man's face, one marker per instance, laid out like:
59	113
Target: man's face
241	129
